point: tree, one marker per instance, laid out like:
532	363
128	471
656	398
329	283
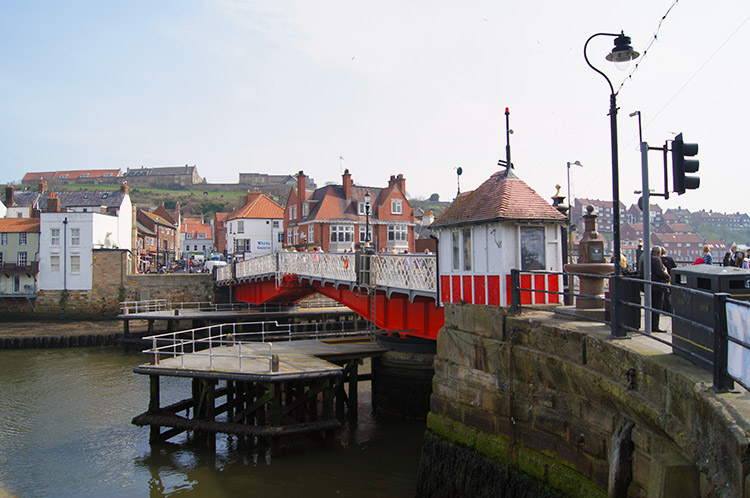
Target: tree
435	198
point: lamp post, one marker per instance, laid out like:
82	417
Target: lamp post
367	219
622	53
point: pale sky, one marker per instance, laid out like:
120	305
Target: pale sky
411	87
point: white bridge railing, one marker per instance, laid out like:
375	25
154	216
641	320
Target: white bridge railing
409	272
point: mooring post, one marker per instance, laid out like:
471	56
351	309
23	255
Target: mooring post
153	407
275	415
328	395
353	379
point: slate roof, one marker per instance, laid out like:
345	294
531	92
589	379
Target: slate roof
258	206
24	199
19	224
85	198
499	198
70	198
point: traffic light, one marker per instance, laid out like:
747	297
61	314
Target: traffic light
680	166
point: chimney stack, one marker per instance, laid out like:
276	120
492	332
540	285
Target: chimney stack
9	190
401	182
346	182
42	186
53	203
301	192
124	188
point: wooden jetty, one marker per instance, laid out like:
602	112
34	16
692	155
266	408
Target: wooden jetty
257	389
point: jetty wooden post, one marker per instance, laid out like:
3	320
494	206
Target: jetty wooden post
153	406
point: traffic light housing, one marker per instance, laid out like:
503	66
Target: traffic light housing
681	166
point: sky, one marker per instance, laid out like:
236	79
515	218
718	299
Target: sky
381	88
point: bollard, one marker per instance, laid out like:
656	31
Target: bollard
274	363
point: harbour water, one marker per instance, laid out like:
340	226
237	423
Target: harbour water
65	431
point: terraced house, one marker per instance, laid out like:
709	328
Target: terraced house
19	256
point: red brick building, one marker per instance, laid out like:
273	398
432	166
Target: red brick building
334	217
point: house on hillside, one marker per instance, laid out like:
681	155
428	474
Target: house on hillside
111	176
254	229
19	256
334	217
175	177
685	248
502	225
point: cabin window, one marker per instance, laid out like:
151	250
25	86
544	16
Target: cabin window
456	250
532	249
467	248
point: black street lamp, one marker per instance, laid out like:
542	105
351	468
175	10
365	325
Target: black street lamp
622	53
367	219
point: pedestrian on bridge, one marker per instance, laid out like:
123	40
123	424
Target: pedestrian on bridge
660	275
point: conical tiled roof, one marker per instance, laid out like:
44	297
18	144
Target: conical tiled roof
501	197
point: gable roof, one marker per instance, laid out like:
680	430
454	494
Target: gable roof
329	203
501	197
19	224
258	206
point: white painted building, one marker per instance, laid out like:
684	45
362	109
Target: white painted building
72	226
255	229
502	225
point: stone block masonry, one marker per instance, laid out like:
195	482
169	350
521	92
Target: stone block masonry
538	400
112	284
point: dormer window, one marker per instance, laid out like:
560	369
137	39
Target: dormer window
305	209
361	208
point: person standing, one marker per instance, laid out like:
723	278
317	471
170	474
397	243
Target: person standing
669	264
659	274
707	258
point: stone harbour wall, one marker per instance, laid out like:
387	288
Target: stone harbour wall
564	406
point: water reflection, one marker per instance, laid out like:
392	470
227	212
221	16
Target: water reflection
65	431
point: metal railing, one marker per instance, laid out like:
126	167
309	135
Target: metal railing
213	341
714	358
412	272
161	305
